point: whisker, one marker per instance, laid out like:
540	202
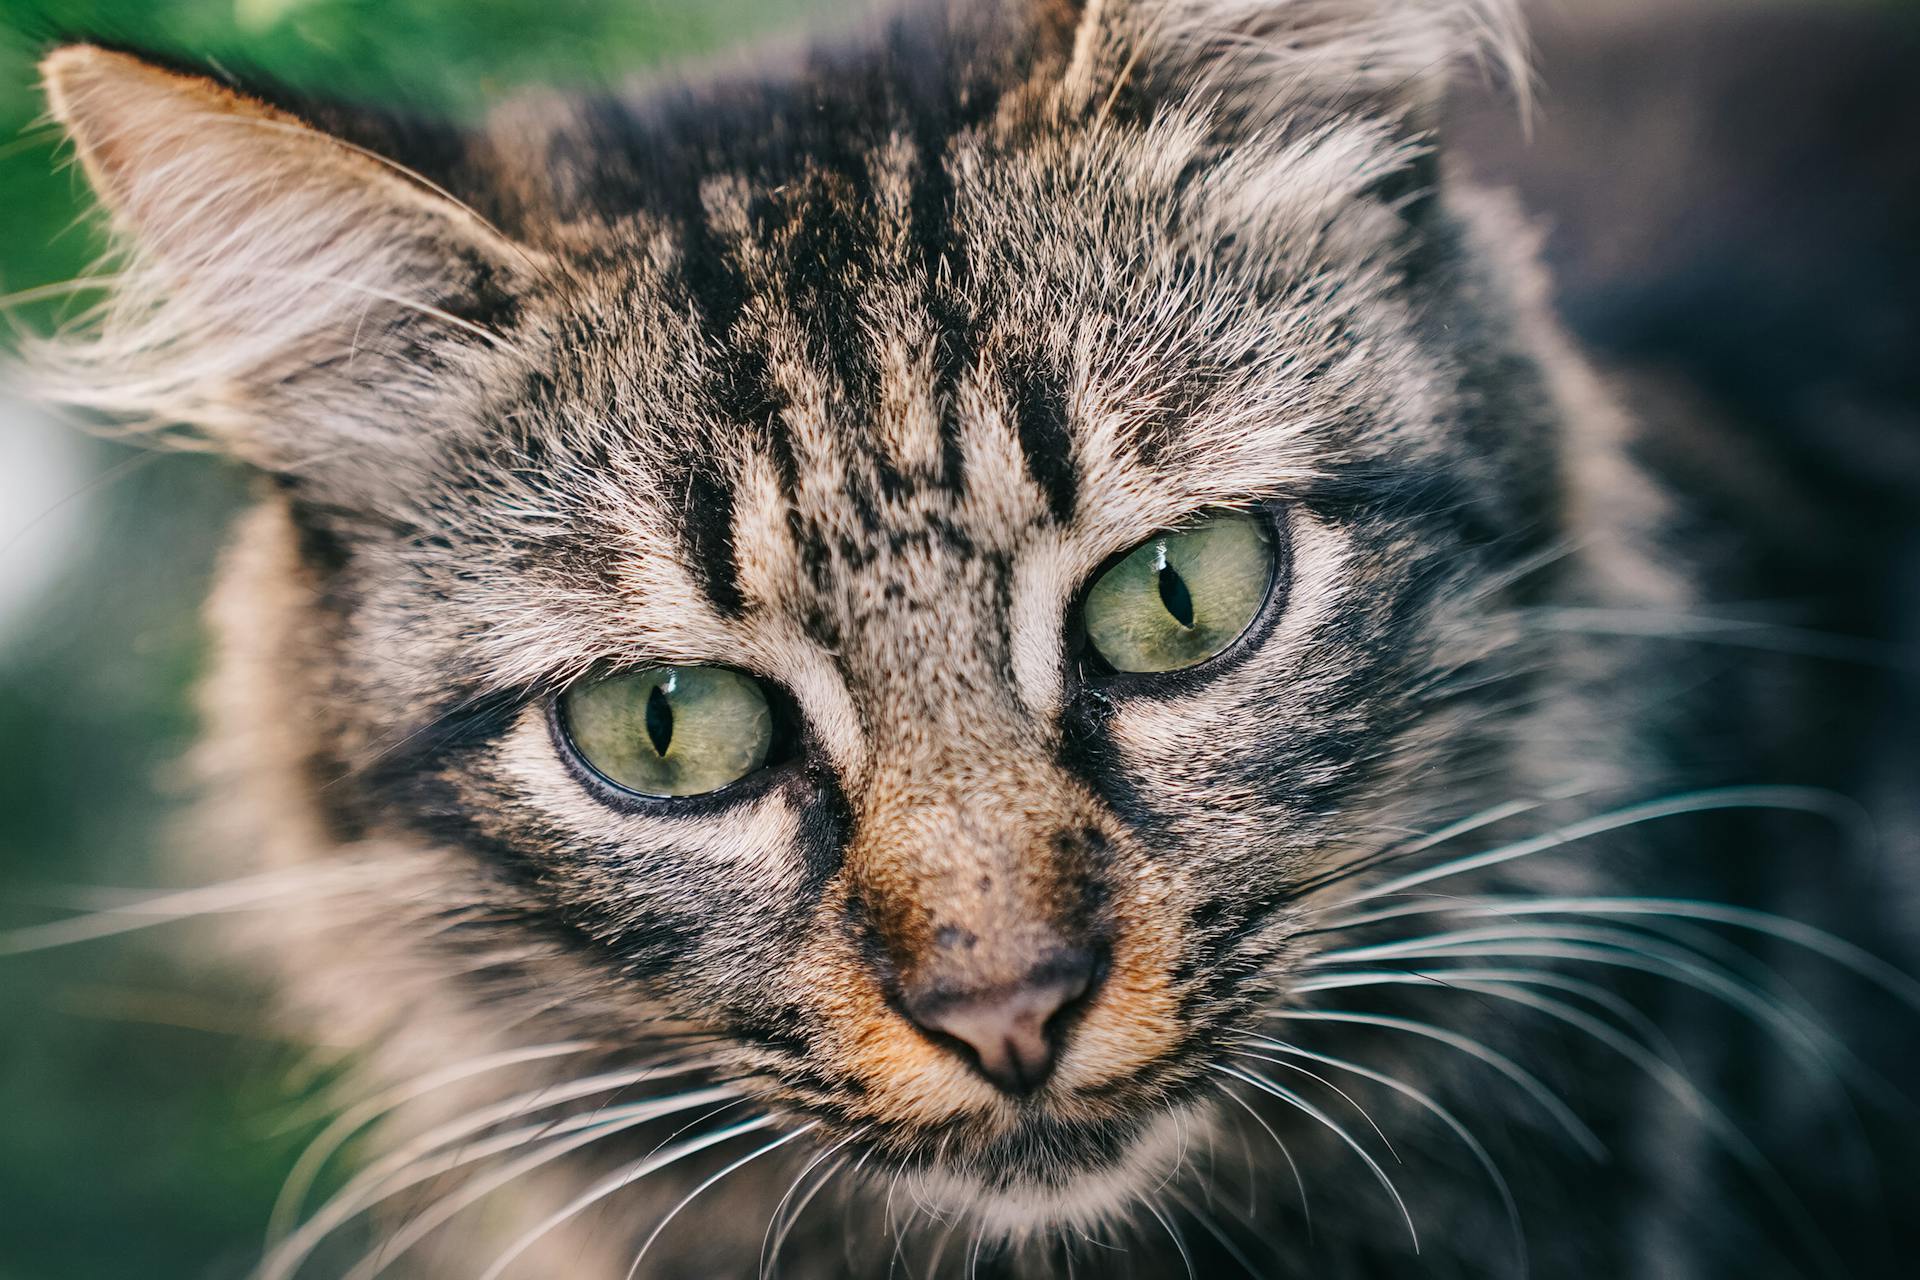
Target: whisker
1814	801
1682	1089
770	1241
1534	1087
408	1165
1219	1233
1306	1212
849	1197
58	289
244	894
1173	1233
940	1249
1287	1095
1857	960
293	1192
1611	1001
1446	1117
707	1184
1420	844
899	1229
1314	1075
631	1174
1623	949
445	1209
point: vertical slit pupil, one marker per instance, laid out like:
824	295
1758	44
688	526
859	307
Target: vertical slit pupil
659	720
1174	595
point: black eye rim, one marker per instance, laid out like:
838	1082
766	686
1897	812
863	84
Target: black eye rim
787	754
1096	676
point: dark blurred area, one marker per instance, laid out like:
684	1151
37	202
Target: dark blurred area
1731	199
1729	195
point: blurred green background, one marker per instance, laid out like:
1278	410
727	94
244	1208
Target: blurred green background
144	1126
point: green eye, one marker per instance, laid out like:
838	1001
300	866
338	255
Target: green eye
670	731
1181	597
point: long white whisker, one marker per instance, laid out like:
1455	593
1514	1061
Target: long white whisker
1677	1084
1216	1231
1857	960
408	1165
1446	1117
1576	1128
1611	1001
1306	1212
1287	1095
705	1185
1433	839
1349	1098
772	1239
617	1181
244	894
59	289
1173	1233
1623	949
1809	800
293	1192
939	1253
899	1230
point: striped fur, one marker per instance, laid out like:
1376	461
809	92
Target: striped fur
850	374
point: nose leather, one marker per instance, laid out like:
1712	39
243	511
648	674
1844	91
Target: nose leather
1010	1033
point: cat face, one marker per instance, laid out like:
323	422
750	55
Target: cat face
786	455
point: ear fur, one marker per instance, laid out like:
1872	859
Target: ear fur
1261	59
258	249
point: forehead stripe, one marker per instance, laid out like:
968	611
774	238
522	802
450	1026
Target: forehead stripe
1046	439
707	529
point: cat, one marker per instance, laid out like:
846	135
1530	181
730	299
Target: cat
1013	645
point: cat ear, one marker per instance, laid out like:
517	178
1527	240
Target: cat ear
262	254
1262	60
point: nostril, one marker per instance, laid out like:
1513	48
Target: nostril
1012	1032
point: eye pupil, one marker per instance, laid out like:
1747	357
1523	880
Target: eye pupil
659	720
1181	597
1175	596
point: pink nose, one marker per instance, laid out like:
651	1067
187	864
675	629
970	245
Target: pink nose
1011	1034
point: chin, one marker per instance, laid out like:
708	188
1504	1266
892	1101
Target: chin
1031	1184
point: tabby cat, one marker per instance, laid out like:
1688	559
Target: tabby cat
1016	645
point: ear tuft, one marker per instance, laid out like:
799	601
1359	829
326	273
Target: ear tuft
125	116
1262	58
257	250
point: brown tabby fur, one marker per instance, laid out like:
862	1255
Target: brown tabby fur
851	374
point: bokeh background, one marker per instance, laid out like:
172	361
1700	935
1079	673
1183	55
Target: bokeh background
144	1127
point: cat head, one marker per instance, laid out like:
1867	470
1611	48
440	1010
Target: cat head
919	566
